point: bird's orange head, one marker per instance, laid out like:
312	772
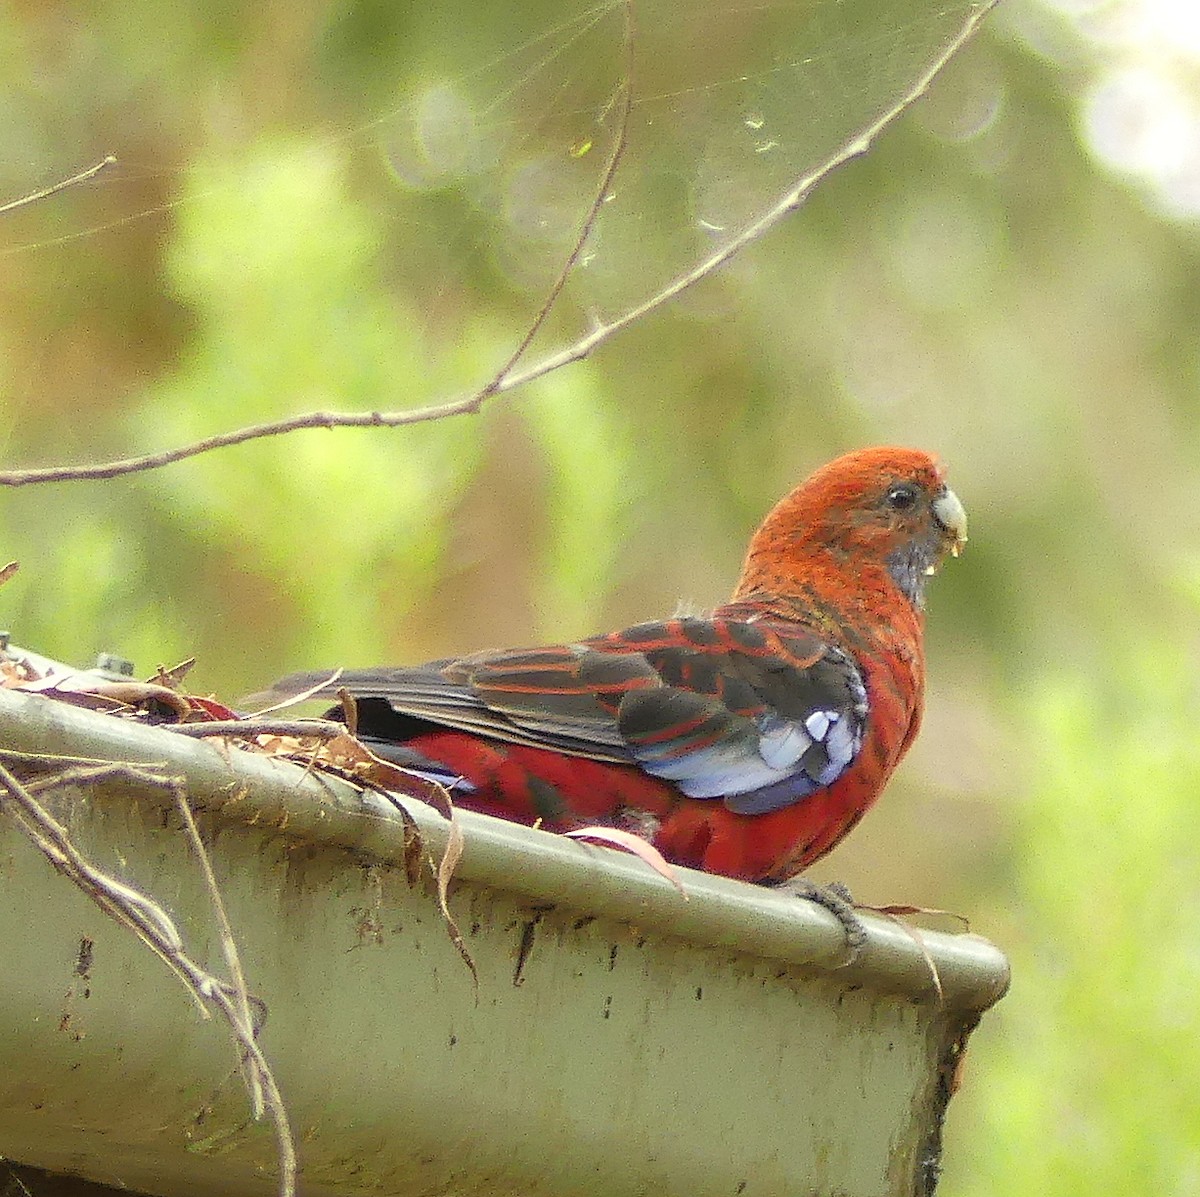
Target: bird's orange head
876	514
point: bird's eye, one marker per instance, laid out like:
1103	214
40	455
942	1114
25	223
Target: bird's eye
902	496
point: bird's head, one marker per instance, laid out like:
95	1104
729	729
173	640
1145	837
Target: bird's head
884	507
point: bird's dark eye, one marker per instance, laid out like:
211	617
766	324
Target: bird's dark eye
902	496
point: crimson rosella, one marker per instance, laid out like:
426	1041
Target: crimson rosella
746	742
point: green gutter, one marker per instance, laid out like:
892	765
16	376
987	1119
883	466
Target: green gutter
653	1045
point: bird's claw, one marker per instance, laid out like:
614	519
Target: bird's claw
835	898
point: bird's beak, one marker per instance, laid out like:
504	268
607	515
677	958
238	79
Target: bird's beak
951	514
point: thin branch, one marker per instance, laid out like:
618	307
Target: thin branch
154	927
82	177
589	220
247	729
508	378
143	916
50	760
12	1175
293	700
316	419
228	943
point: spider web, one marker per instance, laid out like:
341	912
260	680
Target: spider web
729	108
508	119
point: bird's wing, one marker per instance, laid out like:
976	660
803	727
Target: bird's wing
758	712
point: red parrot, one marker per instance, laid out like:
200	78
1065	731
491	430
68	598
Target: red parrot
746	742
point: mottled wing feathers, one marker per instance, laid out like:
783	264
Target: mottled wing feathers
758	712
544	698
567	696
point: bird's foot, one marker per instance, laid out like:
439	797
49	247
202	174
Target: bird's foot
835	898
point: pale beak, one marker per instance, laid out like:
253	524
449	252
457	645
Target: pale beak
951	514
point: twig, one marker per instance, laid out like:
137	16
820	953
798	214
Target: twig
349	712
589	220
317	419
82	177
154	927
468	405
143	916
247	729
51	760
228	943
508	378
12	1175
304	695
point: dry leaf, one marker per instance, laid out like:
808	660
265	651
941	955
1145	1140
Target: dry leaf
358	760
444	872
901	908
87	689
216	712
628	842
14	673
172	677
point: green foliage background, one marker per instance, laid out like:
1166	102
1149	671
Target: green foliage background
975	285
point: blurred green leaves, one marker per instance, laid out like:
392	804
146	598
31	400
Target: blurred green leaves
278	264
1092	1087
594	495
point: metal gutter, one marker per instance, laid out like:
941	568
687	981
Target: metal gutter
652	1045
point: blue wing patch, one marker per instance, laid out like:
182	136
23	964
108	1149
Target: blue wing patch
804	730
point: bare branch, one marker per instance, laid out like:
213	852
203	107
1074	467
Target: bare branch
316	419
589	220
47	760
508	378
296	699
247	729
82	177
228	943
